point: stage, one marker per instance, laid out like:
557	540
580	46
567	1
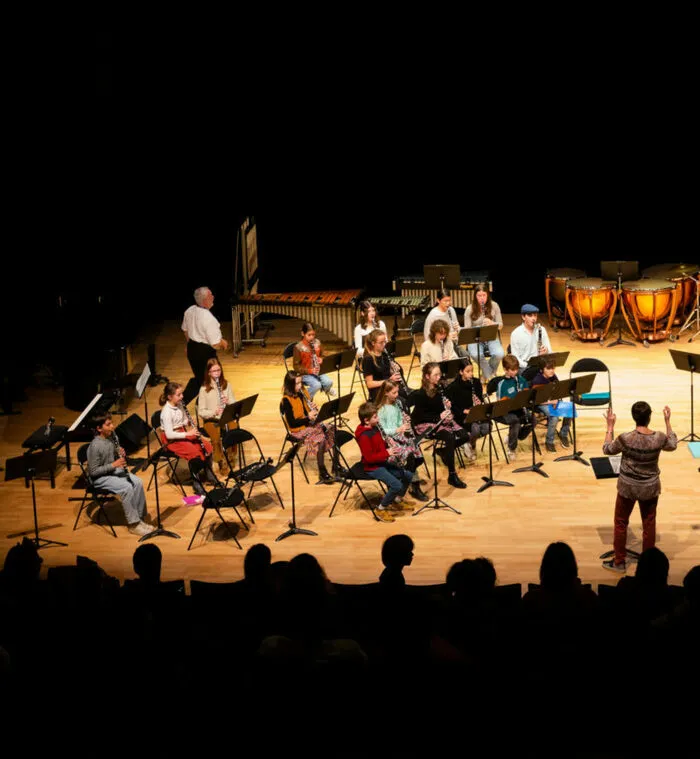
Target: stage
511	526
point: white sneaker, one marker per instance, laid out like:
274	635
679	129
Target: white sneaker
332	393
140	528
512	455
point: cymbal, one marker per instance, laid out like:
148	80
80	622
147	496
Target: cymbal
671	271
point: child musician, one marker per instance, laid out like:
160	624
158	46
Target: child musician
107	468
511	384
214	395
465	393
439	346
430	406
397	430
300	413
377	366
180	435
554	409
376	460
307	362
369	320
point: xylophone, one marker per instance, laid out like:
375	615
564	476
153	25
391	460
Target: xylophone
461	298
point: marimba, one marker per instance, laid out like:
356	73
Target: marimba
332	309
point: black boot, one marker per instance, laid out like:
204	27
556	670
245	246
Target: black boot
324	477
415	492
454	480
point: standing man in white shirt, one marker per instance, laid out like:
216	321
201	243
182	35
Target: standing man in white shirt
202	332
529	339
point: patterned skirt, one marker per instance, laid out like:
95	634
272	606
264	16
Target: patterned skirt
316	437
450	426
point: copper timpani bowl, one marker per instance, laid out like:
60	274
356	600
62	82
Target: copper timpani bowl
649	302
591	303
683	275
555	293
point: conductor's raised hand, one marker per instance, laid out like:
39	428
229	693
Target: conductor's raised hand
610	417
667	413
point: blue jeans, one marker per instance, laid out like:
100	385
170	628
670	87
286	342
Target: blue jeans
316	382
397	480
552	423
130	491
489	366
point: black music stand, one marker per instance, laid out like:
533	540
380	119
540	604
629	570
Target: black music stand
435	502
622	271
234	412
293	529
28	466
538	396
575	386
335	408
478	335
141	385
688	362
451	368
604	468
487	411
535	363
334	363
442	277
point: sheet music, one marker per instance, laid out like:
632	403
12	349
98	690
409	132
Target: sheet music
615	463
77	422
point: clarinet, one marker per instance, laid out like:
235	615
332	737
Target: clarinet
222	400
190	421
396	369
539	340
117	454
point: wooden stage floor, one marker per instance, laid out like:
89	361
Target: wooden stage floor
512	526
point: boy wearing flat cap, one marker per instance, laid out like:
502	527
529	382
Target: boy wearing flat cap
530	338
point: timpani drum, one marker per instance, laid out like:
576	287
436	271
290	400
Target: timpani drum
652	305
682	275
591	303
555	294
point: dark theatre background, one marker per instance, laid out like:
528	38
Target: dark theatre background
134	260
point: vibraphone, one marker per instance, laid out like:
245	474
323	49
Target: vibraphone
399	305
461	298
333	310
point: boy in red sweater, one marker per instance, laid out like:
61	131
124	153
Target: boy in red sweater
375	460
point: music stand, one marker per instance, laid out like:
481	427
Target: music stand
478	335
575	386
622	271
487	411
293	529
334	363
538	396
28	466
335	408
535	363
442	276
235	411
435	502
451	368
688	362
141	385
604	468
